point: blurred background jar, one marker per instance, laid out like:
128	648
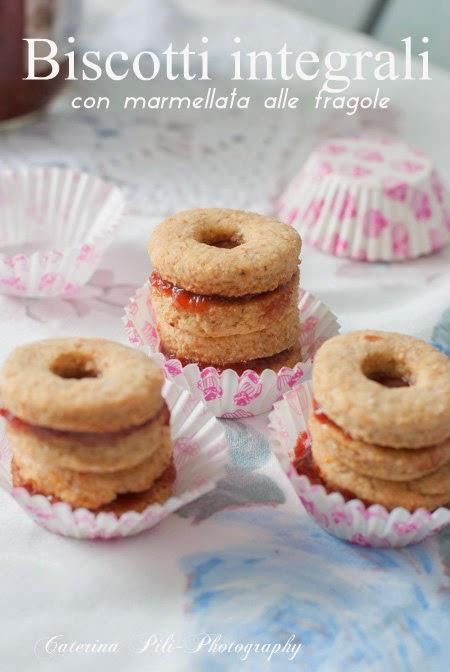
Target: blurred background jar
50	19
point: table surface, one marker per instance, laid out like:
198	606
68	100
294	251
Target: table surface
245	562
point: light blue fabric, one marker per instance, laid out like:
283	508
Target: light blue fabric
351	608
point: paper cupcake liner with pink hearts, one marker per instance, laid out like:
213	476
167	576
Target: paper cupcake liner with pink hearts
200	454
349	520
225	393
56	225
370	199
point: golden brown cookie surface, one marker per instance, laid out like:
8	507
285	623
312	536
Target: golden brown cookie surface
215	251
350	381
81	384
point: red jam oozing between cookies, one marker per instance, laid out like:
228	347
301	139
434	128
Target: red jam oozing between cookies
325	420
81	437
304	462
198	303
305	466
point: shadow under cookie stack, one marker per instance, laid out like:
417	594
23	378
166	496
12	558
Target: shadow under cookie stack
225	289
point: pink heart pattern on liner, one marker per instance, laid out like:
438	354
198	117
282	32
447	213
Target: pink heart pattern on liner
370	199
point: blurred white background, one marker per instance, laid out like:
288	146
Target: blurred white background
388	20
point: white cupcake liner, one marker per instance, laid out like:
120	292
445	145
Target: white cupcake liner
369	199
225	393
349	520
200	455
56	225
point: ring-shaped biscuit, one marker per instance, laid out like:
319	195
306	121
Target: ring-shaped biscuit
215	251
349	382
81	385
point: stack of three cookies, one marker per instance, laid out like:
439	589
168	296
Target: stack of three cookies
380	425
225	289
87	424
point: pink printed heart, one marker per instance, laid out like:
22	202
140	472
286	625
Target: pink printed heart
370	156
356	170
292	216
313	211
337	244
400	240
335	149
322	169
408	166
397	192
420	203
348	207
374	223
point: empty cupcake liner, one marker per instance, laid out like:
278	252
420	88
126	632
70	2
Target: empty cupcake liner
200	456
56	225
371	199
225	393
349	520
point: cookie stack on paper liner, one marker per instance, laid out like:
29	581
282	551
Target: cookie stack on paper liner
225	289
224	308
374	426
89	447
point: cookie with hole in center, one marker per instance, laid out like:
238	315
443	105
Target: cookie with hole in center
225	287
380	424
86	420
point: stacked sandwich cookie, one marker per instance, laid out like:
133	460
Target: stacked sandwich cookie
225	289
87	424
380	427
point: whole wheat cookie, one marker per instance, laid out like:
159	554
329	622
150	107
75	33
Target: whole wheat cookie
384	388
81	385
224	287
215	251
429	492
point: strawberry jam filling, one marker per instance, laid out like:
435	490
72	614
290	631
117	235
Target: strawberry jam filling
81	437
325	420
305	466
304	462
197	303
